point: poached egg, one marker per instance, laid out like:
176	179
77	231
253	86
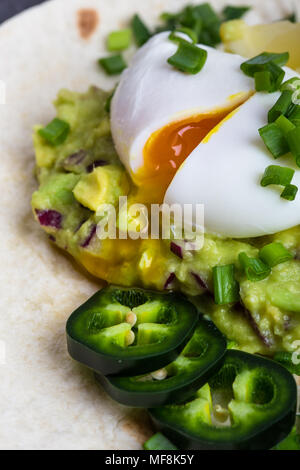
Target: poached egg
193	139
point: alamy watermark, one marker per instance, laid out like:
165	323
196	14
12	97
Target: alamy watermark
156	221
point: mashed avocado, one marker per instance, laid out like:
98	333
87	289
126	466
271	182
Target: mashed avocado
84	171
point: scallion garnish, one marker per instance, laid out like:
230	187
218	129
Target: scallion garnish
226	288
202	19
261	61
277	76
207	14
294	113
263	80
234	13
119	40
113	65
266	70
159	442
174	36
107	104
292	84
293	139
140	31
188	58
284	124
255	269
289	192
292	18
274	140
56	132
279	175
281	106
274	253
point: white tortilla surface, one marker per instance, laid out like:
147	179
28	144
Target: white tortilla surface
47	401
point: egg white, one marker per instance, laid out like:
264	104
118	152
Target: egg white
224	174
152	94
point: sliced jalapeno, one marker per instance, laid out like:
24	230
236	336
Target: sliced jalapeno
249	404
126	331
201	357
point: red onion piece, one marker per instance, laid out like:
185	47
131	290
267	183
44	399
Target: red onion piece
241	308
49	218
199	281
89	238
176	249
169	281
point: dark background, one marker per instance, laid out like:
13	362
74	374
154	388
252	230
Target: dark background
10	8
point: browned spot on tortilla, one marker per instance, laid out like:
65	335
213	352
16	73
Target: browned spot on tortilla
138	425
87	21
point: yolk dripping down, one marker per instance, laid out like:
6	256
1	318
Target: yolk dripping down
169	147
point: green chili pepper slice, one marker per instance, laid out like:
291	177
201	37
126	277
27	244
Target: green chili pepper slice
249	404
125	331
199	360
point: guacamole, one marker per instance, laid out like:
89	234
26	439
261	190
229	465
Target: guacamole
85	171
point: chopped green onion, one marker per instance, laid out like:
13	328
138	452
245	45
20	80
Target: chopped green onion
284	124
107	104
292	18
274	253
198	27
187	16
266	62
140	31
211	35
56	132
226	288
113	65
159	442
292	84
277	76
289	192
207	14
294	113
293	139
261	61
292	441
263	80
286	359
281	106
296	97
274	140
234	13
188	58
255	268
174	36
119	40
279	175
202	19
170	19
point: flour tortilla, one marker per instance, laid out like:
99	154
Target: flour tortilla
47	401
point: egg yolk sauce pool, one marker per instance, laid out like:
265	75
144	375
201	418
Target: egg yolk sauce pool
85	170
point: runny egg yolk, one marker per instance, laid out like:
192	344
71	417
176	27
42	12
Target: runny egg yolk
167	149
